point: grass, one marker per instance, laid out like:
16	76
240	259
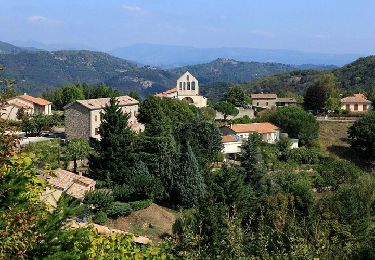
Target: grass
335	142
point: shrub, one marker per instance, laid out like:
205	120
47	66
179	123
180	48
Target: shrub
118	209
122	192
303	155
101	200
141	204
100	218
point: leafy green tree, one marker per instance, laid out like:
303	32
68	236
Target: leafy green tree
77	149
135	95
208	113
323	94
362	135
252	162
188	182
237	96
296	122
114	154
226	108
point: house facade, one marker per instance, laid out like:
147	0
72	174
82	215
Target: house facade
356	103
187	89
83	117
231	147
284	102
262	101
31	105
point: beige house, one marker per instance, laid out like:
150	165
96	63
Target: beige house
269	132
356	103
83	117
187	89
31	105
263	101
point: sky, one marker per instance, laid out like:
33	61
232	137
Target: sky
324	26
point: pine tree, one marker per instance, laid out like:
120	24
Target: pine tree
115	156
252	162
188	182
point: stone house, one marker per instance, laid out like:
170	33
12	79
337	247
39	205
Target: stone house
187	89
83	117
31	105
262	101
356	103
284	102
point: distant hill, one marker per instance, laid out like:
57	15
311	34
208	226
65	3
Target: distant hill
353	77
229	70
169	56
37	71
6	48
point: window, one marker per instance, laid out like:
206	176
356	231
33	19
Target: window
257	104
266	103
193	85
364	107
97	131
347	107
96	118
188	86
184	85
187	77
101	116
180	85
355	107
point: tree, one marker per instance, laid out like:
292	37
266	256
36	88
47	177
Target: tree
237	96
362	135
135	95
252	162
296	122
77	149
226	108
188	182
114	155
323	94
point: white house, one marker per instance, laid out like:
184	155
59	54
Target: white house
269	132
83	117
31	105
187	89
356	103
231	146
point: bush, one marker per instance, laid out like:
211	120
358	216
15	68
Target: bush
118	209
122	192
100	218
303	155
101	200
141	204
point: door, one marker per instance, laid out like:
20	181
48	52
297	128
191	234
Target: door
355	107
364	107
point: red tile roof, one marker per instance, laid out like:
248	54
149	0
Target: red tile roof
38	101
356	98
166	93
228	139
263	96
19	104
260	128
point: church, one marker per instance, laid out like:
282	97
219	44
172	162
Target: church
187	89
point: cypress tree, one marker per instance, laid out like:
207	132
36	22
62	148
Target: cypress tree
114	154
188	182
252	162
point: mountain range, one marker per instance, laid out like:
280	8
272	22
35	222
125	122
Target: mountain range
169	56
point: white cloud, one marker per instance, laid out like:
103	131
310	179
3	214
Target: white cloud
135	10
37	19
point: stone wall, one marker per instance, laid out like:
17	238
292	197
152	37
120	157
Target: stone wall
77	122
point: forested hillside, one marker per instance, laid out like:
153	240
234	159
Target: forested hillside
37	71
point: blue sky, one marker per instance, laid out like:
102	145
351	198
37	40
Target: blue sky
328	26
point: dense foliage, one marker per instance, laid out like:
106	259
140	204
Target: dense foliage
362	135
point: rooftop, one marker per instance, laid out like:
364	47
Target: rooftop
286	100
19	104
260	128
356	98
228	139
166	93
99	103
263	96
35	100
75	185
